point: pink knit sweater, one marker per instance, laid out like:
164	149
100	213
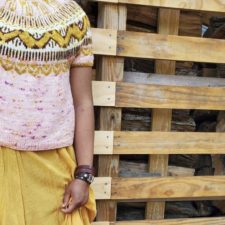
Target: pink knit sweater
39	42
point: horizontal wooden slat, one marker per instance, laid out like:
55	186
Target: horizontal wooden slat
160	188
156	46
176	97
175	80
156	142
170	47
201	5
122	94
193	221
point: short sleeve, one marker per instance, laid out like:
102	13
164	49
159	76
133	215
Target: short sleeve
84	56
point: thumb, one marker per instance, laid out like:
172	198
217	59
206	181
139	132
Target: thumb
66	198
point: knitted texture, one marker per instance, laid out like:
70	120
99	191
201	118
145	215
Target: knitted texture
40	41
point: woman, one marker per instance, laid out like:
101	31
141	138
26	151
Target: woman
46	114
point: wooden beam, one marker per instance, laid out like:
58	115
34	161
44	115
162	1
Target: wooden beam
123	94
170	47
183	221
160	188
111	17
171	97
156	142
174	80
168	23
158	46
200	5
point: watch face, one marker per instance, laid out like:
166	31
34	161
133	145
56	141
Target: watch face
90	178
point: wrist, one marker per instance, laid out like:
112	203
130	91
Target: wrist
84	176
82	182
85	173
85	168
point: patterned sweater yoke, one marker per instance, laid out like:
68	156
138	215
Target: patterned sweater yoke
40	41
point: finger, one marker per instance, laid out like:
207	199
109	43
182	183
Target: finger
71	207
66	198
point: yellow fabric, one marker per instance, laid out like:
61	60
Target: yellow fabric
32	185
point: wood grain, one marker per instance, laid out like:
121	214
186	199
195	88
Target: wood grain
194	221
106	87
157	46
201	5
156	142
168	188
170	47
160	188
110	17
170	97
168	23
125	94
174	80
109	38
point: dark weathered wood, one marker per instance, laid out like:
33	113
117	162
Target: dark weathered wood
135	119
174	80
138	169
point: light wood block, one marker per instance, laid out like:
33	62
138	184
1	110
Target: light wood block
106	41
103	144
102	187
104	93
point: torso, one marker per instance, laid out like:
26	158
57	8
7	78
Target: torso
38	41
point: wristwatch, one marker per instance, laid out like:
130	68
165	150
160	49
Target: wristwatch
88	177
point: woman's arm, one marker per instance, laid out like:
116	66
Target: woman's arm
81	87
77	192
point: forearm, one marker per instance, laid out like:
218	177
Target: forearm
84	134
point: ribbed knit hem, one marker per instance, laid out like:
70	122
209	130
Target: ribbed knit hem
26	145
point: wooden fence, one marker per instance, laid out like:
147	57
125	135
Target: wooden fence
111	93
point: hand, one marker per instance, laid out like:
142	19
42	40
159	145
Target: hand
76	195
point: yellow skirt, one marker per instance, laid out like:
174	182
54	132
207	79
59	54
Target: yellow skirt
32	185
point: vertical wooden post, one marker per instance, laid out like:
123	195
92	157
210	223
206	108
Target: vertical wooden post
111	16
168	23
